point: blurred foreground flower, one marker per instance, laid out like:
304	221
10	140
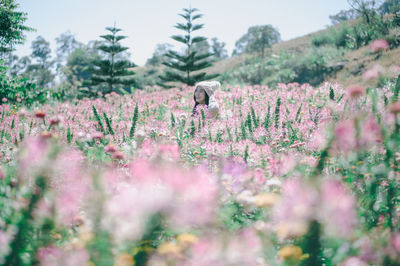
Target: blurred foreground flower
292	253
331	205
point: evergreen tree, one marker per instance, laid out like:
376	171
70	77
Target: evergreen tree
112	71
183	65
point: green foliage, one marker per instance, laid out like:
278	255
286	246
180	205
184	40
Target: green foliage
257	39
396	90
159	54
111	71
108	123
309	66
98	118
183	65
173	121
150	240
246	154
277	112
343	15
243	129
311	245
389	7
192	129
100	248
335	36
362	32
69	136
218	49
12	26
267	119
249	124
235	216
40	71
331	94
20	246
254	117
134	121
162	110
77	71
20	91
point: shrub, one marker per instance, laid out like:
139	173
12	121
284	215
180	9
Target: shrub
19	91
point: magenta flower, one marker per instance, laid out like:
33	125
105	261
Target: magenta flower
379	45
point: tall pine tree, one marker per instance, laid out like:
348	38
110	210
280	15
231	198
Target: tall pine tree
185	68
112	73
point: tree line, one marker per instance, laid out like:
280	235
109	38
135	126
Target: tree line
103	66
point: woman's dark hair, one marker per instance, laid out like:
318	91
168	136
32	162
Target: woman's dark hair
194	112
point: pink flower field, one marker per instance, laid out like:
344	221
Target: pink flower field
295	175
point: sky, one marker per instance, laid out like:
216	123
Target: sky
147	23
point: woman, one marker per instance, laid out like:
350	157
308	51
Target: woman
204	94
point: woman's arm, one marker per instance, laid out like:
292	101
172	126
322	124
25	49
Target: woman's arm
213	107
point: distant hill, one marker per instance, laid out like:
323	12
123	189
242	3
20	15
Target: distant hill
353	63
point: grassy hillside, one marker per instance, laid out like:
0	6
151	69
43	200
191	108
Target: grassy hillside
298	60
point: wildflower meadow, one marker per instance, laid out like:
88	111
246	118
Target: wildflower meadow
286	176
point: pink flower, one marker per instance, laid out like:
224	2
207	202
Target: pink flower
375	72
317	140
49	255
22	112
4	247
71	184
371	132
379	45
169	150
118	155
395	241
337	208
40	114
345	133
55	120
394	108
355	91
354	261
110	148
97	135
259	177
296	209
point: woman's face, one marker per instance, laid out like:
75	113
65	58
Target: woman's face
200	95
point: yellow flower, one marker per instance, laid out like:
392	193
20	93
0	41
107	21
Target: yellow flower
266	199
186	240
124	259
169	248
292	253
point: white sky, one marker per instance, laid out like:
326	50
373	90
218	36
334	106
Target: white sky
149	22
